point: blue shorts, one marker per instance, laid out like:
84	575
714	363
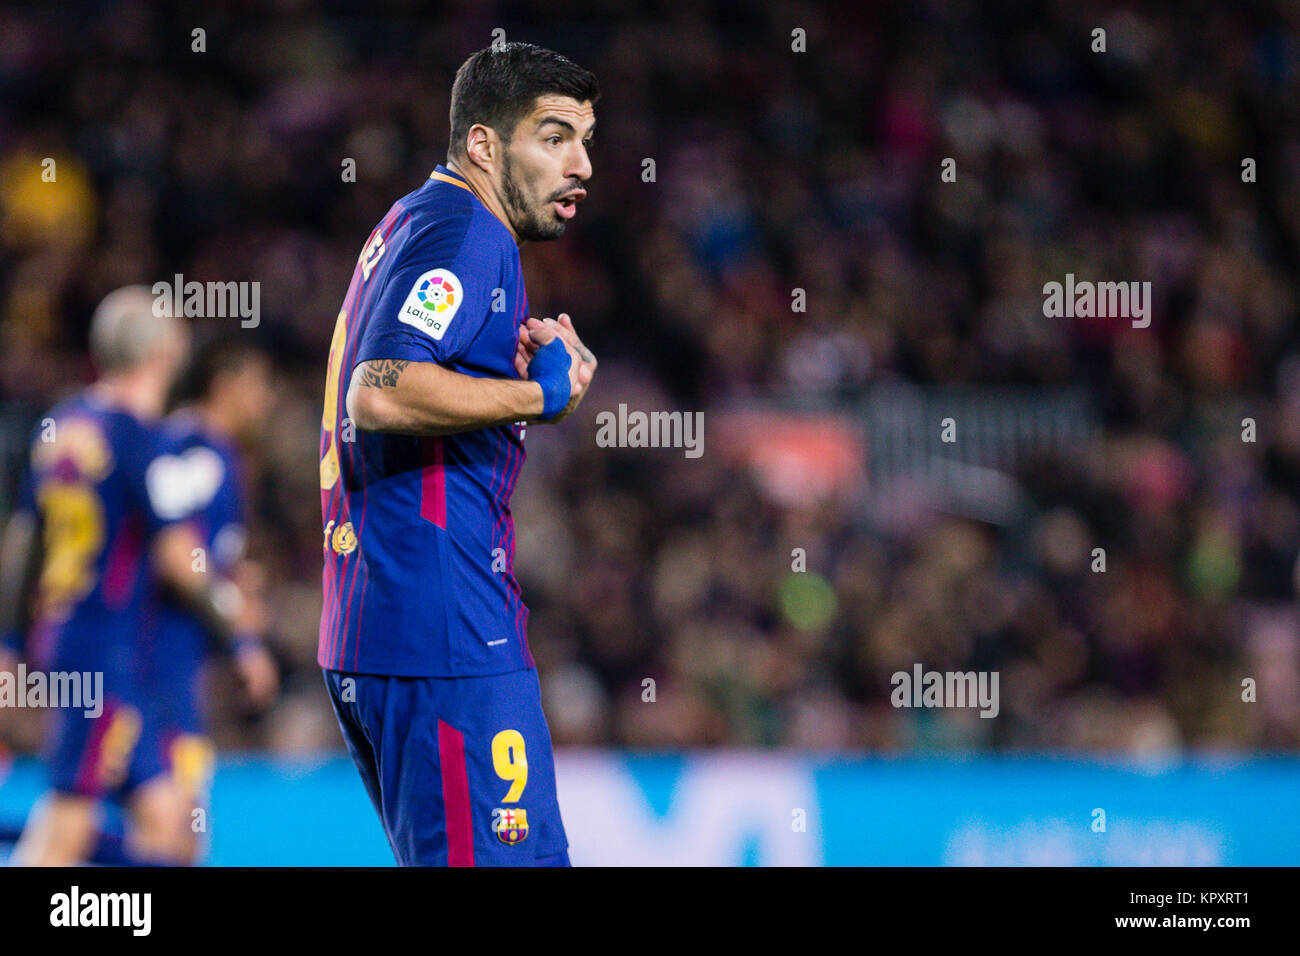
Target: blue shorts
460	770
111	755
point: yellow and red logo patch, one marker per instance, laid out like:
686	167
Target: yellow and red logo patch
343	539
510	824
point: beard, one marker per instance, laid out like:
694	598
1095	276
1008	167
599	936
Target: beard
530	223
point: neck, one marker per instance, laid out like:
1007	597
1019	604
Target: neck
136	392
214	419
480	184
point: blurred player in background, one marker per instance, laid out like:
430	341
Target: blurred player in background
229	388
101	522
435	370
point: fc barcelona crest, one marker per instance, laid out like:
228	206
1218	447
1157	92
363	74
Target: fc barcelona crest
510	824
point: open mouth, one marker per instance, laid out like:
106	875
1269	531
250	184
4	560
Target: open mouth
567	206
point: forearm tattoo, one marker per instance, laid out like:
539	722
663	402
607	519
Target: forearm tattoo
382	373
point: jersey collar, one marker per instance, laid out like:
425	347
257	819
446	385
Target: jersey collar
445	175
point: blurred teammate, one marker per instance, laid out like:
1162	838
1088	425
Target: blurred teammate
230	388
434	372
101	522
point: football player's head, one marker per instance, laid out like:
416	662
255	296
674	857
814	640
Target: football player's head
133	330
234	375
524	115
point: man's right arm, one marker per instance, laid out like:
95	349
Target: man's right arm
214	600
423	398
234	622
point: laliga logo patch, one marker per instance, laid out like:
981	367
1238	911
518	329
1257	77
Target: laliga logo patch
432	302
510	825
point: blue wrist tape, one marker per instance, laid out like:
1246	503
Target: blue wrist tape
549	368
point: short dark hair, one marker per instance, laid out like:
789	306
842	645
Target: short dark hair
215	355
498	85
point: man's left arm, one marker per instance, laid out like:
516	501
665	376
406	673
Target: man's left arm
21	556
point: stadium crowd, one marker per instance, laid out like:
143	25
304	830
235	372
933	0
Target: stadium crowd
769	605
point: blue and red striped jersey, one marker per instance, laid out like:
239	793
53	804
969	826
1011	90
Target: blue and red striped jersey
170	654
102	483
419	541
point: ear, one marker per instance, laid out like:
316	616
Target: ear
483	147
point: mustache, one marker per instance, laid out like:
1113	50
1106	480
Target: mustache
570	188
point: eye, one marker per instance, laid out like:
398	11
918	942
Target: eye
553	140
586	143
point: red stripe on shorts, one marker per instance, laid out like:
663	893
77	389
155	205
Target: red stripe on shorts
455	796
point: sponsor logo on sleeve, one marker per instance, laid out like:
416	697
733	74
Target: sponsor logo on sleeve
432	302
180	485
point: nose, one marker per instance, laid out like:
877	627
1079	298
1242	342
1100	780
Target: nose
579	166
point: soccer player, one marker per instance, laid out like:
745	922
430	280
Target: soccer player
101	521
230	388
434	372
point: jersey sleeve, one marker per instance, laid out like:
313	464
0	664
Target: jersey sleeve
432	305
162	483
